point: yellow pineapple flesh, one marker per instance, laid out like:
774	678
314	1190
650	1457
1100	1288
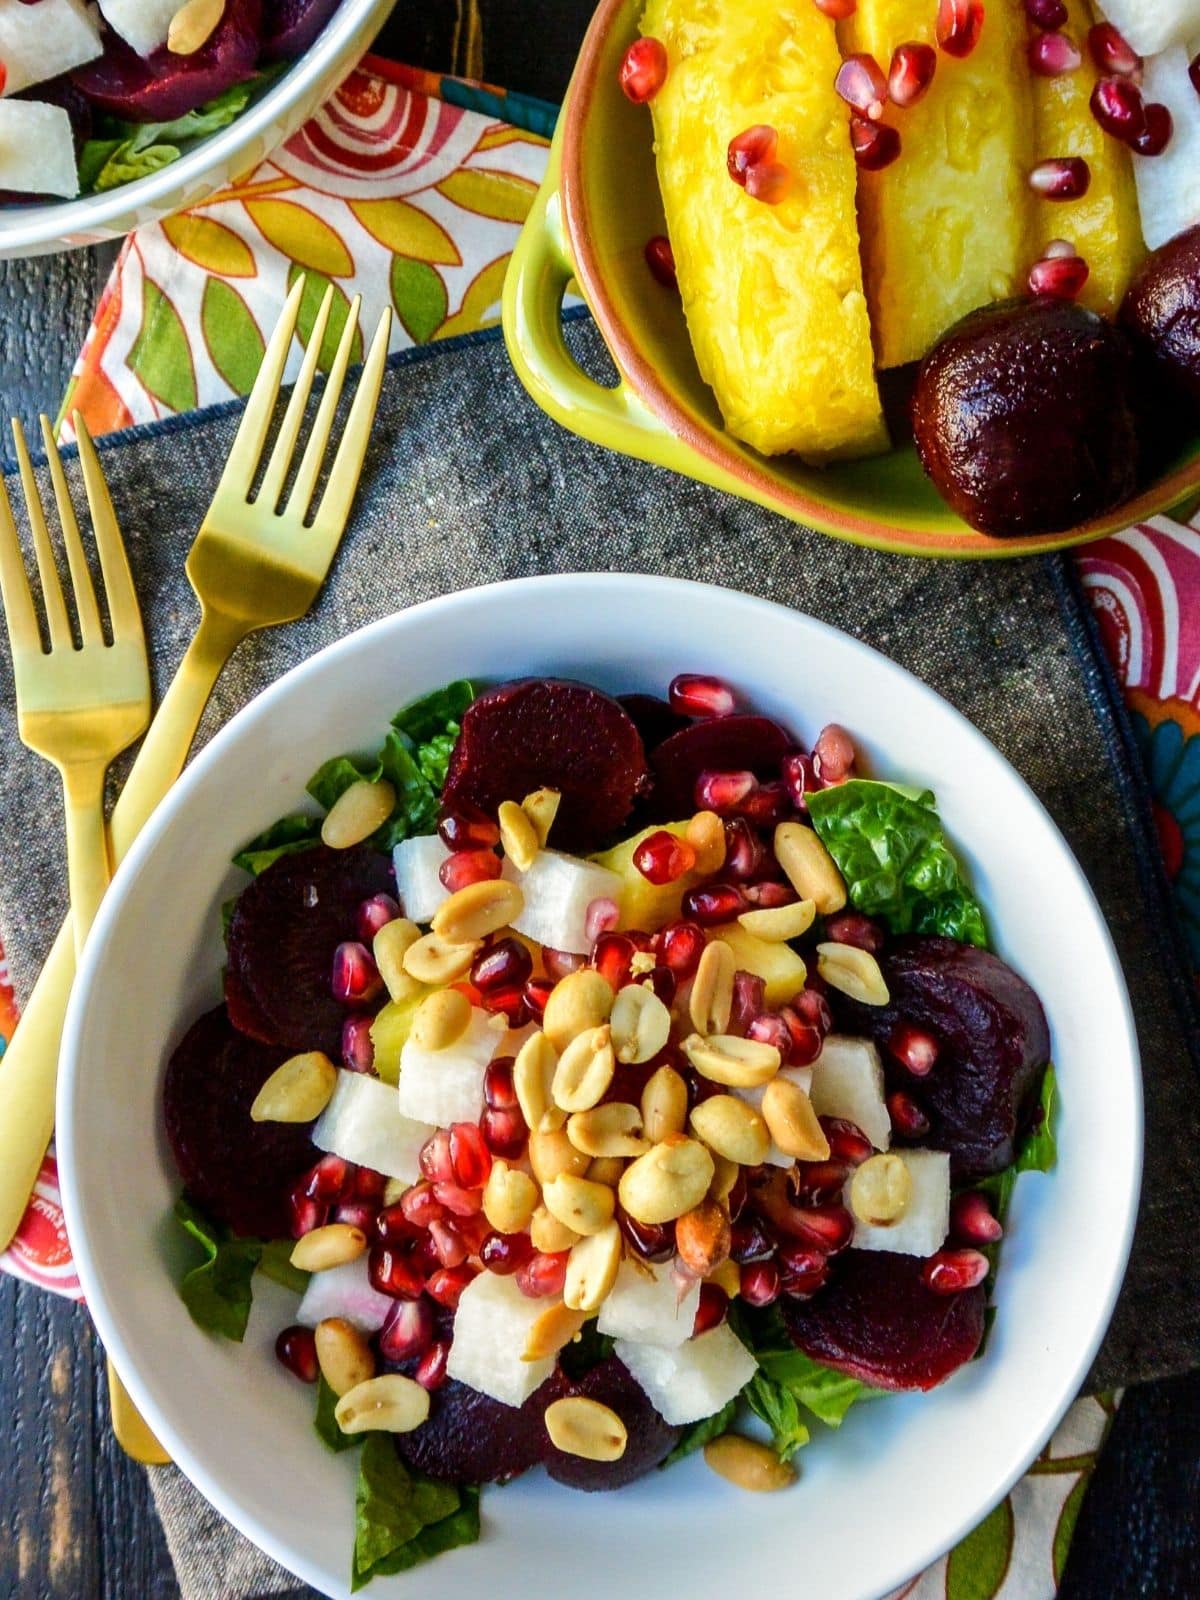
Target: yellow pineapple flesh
773	294
1103	224
945	227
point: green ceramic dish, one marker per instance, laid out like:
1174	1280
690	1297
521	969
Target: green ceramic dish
596	209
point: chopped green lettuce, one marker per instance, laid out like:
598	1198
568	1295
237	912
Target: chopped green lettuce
779	1408
890	848
700	1433
402	1517
828	1395
218	1291
326	1423
1038	1150
122	151
282	838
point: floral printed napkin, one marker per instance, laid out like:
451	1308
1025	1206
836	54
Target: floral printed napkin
410	189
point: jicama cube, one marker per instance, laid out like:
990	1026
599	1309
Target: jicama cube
945	227
558	890
143	24
344	1291
491	1329
694	1380
778	965
926	1221
642	904
416	862
647	1305
773	294
802	1078
363	1123
40	42
1168	185
847	1082
37	149
446	1086
1154	25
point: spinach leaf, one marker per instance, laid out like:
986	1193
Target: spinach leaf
276	1264
282	838
402	1517
1038	1150
434	713
217	1293
890	848
827	1394
780	1410
699	1434
326	1423
331	780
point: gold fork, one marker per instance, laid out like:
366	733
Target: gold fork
254	564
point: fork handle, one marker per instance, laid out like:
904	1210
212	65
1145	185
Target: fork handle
31	1061
88	868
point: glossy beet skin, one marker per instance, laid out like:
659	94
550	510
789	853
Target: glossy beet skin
167	86
1025	417
876	1321
1161	313
718	744
993	1045
291	26
236	1170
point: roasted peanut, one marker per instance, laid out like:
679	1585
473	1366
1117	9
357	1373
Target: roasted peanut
732	1128
541	807
613	1129
533	1072
330	1246
192	26
810	869
641	1024
579	1002
510	1198
435	960
726	1058
706	835
585	1428
584	1071
668	1180
297	1091
664	1104
552	1331
578	1203
778	924
389	947
389	1404
441	1019
343	1355
881	1190
553	1153
792	1122
518	835
605	1169
478	909
748	1464
711	1000
592	1269
855	972
549	1235
702	1238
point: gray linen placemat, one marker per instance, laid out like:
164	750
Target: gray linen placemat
467	482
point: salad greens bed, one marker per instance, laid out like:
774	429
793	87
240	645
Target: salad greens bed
888	843
119	151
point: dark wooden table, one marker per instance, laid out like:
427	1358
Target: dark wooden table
76	1522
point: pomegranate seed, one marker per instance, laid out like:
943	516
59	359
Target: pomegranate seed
434	1159
560	963
1061	277
612	956
602	915
804	1039
723	792
1048	14
750	1241
851	927
1118	107
972	1220
799	778
504	1131
543	1275
769	181
959	23
770	1028
914	1048
749	149
662	981
861	84
374	914
357	1213
506	1253
474	1231
768	804
465	867
760	1283
418	1206
952	1271
468	827
355	980
812	1006
501	965
358	1048
296	1349
329	1180
1064	178
1113	54
1156	135
908	1120
744	851
661	858
447	1284
711	1308
458	1201
653	1241
305	1213
660	258
911	73
498	1091
392	1270
537	992
367	1184
509	1004
837	9
735	1200
829	1227
821	1181
713	903
847	1142
680	944
430	1371
802	1271
469	1156
448	1245
643	70
693	694
875	144
1194	73
408	1331
749	991
1053	55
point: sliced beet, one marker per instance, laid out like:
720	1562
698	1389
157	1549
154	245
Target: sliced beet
554	733
471	1438
290	26
651	1439
876	1321
285	928
243	1012
165	86
654	719
236	1170
722	744
993	1044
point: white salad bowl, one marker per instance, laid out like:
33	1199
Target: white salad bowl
39	229
905	1477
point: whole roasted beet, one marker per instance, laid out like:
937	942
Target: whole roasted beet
876	1321
166	86
992	1040
650	1440
471	1438
1025	417
1161	312
290	26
